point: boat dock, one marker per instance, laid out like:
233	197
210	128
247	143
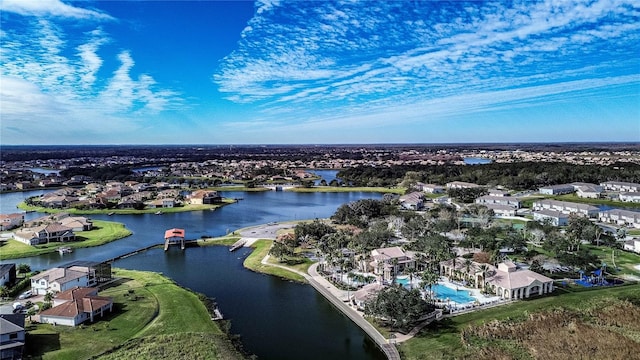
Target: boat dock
173	236
238	244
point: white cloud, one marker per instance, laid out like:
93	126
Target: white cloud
364	55
55	8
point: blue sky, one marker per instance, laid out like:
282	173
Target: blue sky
312	72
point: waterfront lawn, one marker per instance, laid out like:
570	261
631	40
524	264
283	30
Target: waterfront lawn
221	241
254	262
442	339
147	307
102	233
394	190
184	208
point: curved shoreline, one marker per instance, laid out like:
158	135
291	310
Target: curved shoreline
334	295
120	229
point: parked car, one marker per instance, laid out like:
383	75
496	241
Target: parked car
25	295
17	306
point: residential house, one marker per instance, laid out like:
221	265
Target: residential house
431	188
502	210
162	203
412	201
461	185
498	200
621	186
566	207
632	245
12	336
630	197
621	217
10	221
7	274
74	306
60	279
555	218
54	232
498	192
77	223
200	197
557	189
587	190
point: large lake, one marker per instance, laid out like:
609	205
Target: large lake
276	319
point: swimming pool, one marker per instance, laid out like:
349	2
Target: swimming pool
459	296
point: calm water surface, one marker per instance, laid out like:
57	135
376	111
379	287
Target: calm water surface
277	319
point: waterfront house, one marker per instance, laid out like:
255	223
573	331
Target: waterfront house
74	306
366	293
200	197
10	221
60	279
77	223
42	234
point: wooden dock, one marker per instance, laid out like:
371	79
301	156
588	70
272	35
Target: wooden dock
238	244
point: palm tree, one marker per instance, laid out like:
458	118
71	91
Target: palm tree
484	268
467	266
429	278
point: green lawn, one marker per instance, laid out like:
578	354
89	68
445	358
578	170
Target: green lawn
441	340
103	232
625	261
156	308
254	262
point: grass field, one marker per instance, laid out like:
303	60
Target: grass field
103	232
157	317
254	262
624	260
575	198
443	339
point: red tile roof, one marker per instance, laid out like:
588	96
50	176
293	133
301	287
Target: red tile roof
174	233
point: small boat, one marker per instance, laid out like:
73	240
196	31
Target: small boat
111	213
158	212
65	250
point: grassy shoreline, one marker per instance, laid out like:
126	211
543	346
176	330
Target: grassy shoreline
253	262
103	232
151	317
188	207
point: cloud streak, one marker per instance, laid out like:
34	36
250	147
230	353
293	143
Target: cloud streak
327	57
